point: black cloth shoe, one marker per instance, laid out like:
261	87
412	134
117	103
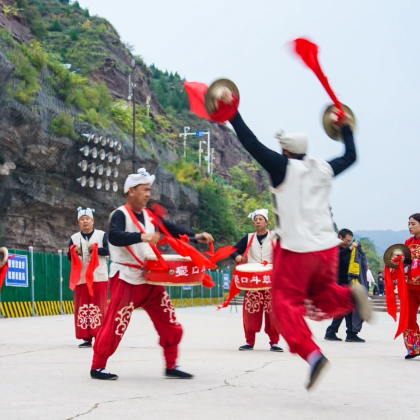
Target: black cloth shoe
332	337
275	347
246	347
103	374
316	372
85	344
177	373
409	356
354	339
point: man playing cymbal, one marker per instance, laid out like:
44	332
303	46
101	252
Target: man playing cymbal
306	264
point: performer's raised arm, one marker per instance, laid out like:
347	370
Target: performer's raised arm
342	163
274	163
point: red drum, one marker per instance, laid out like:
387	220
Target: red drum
253	276
182	271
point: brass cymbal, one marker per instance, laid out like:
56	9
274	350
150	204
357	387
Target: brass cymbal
4	255
394	251
329	118
214	92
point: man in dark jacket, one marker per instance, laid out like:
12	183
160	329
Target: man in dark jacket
346	247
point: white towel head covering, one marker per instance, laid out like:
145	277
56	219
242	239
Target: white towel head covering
296	143
141	177
85	212
259	212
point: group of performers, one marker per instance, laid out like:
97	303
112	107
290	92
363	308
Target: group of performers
301	186
288	274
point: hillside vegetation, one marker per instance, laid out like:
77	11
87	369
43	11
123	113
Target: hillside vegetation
69	48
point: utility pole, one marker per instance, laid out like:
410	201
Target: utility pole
131	96
198	134
200	151
185	134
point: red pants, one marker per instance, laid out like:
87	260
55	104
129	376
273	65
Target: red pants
297	277
256	304
89	311
412	333
126	297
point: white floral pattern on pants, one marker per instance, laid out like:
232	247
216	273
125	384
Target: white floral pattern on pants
257	300
167	304
124	318
89	316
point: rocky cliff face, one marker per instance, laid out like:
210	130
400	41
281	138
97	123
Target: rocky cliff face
39	192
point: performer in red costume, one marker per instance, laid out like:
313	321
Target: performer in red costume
256	248
128	287
90	300
306	265
412	333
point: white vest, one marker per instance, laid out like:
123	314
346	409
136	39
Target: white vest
258	253
101	273
302	201
120	255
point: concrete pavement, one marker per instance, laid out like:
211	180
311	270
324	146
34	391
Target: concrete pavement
44	375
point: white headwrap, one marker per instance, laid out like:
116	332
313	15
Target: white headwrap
85	212
296	143
141	177
259	212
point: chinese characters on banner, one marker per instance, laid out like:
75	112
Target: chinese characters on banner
17	275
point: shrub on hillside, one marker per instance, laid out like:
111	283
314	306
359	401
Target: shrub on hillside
63	126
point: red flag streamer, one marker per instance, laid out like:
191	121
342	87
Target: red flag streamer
181	247
402	295
196	93
93	265
223	253
234	290
76	268
391	300
308	52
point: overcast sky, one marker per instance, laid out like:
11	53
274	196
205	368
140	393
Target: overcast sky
370	51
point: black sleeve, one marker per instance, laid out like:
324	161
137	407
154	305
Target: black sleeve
117	234
241	246
176	231
274	163
68	253
342	163
345	251
104	251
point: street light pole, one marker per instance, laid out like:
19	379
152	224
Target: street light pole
200	151
186	129
201	134
132	86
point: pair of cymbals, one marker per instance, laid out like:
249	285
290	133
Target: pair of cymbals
395	251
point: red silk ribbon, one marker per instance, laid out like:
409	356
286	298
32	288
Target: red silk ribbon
402	294
76	268
308	52
93	265
391	300
4	270
234	289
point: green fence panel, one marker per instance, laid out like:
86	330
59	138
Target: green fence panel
47	279
47	283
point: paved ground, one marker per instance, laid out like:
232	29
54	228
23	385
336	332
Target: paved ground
43	375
